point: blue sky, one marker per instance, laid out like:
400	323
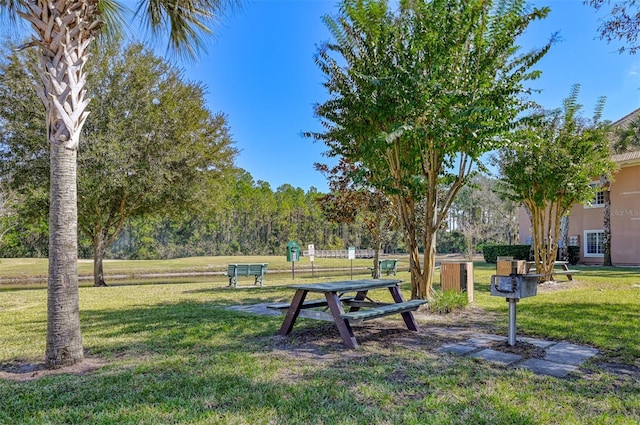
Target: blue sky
260	71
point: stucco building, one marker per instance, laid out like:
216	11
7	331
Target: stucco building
586	221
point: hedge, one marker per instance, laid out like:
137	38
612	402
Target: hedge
518	252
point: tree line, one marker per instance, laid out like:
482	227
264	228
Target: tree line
156	178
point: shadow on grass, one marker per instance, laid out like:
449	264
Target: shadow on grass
172	327
189	362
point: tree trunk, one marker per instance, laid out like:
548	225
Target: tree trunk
63	31
429	264
98	254
417	280
607	226
564	238
64	340
376	258
546	228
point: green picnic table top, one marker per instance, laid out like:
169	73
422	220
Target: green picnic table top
347	285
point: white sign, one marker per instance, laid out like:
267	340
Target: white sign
311	258
352	253
312	250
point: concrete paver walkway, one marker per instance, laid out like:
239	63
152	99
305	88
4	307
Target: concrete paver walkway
560	358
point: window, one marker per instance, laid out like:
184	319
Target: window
594	243
598	199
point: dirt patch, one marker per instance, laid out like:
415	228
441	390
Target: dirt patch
23	371
563	285
621	369
524	349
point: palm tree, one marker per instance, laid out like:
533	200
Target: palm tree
62	31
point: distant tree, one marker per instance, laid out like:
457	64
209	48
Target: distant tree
417	96
549	167
622	22
349	199
152	145
7	209
482	215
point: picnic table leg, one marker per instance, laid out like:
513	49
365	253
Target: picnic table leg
565	267
292	312
335	305
360	296
407	316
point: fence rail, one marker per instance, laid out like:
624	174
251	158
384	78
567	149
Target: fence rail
340	253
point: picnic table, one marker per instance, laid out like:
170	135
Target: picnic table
564	269
360	307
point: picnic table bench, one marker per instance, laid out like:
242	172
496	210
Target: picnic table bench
563	270
361	307
256	270
387	266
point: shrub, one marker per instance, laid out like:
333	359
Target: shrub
574	254
448	301
518	252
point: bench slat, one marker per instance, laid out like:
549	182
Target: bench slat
384	310
320	302
257	270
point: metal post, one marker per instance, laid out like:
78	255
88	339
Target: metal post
512	320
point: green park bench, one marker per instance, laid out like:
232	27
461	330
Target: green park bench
386	266
256	270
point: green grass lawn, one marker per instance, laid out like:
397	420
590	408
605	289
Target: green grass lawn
173	354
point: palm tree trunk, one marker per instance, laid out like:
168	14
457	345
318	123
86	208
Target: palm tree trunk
607	226
64	340
63	31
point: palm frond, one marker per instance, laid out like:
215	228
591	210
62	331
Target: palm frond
185	21
114	16
9	10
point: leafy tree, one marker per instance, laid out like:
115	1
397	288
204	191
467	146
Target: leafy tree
151	144
549	168
7	209
416	98
622	22
62	32
349	199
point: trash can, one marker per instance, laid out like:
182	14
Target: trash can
293	251
457	277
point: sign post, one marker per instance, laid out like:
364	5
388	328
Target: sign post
312	252
352	255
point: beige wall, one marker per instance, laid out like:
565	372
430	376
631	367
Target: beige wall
625	216
625	220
